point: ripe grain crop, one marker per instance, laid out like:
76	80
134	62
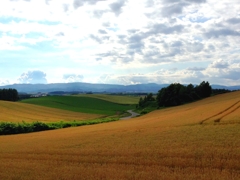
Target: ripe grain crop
18	112
183	142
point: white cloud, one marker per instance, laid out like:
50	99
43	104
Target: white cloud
33	77
124	34
219	72
72	78
224	71
159	77
219	64
4	82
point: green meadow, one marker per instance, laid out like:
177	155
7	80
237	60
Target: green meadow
119	99
82	104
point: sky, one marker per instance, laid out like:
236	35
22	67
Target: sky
120	41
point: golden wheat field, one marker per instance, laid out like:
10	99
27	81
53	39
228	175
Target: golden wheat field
200	140
18	112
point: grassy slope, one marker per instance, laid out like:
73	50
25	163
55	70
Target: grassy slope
176	143
114	98
80	104
18	112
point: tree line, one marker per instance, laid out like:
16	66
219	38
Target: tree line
176	94
9	94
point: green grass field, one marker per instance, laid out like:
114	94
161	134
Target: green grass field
81	104
119	99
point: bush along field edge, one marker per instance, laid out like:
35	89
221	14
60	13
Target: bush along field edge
7	128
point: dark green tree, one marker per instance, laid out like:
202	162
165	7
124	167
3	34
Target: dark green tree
146	100
176	94
204	89
171	95
9	94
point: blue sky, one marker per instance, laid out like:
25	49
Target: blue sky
120	41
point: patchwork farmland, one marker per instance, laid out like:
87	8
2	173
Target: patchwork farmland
85	104
198	140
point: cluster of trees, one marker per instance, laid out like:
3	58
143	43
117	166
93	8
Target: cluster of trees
147	103
177	94
146	100
9	94
219	91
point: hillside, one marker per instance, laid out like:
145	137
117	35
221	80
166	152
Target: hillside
19	112
63	108
82	104
195	141
100	88
85	87
119	99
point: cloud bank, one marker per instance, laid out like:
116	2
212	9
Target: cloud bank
72	78
33	77
124	41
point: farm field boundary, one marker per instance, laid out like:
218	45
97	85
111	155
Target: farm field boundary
119	99
17	112
7	128
80	104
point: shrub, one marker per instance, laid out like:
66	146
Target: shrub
7	128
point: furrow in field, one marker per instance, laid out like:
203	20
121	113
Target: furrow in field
217	117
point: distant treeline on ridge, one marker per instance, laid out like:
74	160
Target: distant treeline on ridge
9	94
176	94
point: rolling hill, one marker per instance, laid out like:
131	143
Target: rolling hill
21	112
103	88
85	87
199	140
64	108
119	99
82	104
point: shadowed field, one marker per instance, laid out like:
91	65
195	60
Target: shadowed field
194	141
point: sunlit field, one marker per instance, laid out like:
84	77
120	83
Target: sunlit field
195	141
19	112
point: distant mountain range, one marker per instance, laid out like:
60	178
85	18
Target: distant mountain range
79	87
